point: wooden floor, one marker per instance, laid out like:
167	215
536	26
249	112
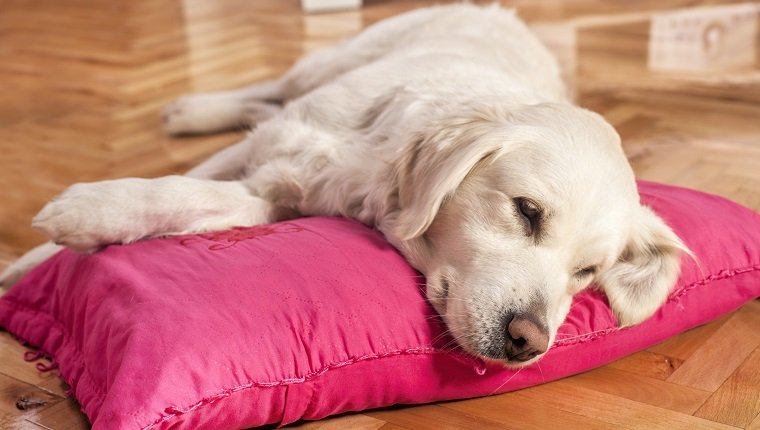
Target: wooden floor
82	83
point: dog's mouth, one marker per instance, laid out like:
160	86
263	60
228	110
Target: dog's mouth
507	354
508	351
491	342
503	353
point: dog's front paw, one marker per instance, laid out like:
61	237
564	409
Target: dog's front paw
80	218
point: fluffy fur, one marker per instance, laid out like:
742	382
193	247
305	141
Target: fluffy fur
436	127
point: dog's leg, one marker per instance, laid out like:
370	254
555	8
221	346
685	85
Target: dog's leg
89	215
225	165
27	262
223	110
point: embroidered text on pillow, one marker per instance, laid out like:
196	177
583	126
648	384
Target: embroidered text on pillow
228	238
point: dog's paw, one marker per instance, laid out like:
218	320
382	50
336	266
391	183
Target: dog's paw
202	113
212	112
81	218
178	117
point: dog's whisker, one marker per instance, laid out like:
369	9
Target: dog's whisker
591	333
538	364
456	342
440	336
507	381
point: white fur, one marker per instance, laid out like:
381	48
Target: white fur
428	126
27	262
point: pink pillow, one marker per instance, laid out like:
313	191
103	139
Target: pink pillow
318	316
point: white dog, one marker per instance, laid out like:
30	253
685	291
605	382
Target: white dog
447	129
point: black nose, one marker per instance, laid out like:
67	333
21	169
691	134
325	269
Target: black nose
525	339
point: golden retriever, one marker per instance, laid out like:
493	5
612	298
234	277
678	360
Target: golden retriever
446	128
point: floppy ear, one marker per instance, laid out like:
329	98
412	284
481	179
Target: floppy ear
642	278
433	166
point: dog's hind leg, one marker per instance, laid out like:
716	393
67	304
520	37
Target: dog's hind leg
89	215
226	165
223	110
242	108
27	262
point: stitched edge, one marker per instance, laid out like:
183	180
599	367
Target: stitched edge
723	274
174	411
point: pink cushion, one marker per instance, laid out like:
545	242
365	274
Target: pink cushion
313	317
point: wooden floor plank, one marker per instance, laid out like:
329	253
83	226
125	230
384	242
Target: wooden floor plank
20	401
683	346
611	409
649	364
730	345
390	426
642	389
12	363
755	424
62	416
353	421
737	401
433	417
17	423
513	411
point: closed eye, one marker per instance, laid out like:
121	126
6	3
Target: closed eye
530	213
585	272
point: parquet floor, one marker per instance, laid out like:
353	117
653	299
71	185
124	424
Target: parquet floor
82	83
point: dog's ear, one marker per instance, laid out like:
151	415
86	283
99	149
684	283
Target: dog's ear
433	166
644	275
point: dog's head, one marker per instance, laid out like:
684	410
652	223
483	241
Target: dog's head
510	214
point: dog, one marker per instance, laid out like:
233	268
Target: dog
449	130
